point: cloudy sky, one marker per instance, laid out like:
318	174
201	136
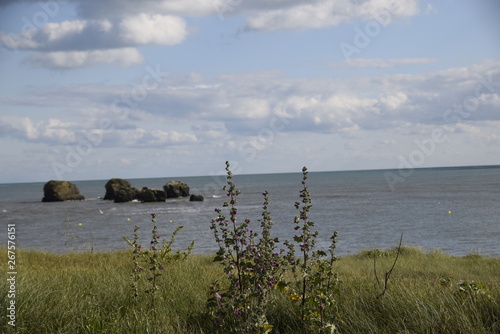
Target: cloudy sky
93	89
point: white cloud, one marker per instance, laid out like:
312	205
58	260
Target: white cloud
392	102
145	29
100	9
121	24
328	13
386	63
139	137
130	31
242	104
248	108
75	59
52	131
58	132
79	43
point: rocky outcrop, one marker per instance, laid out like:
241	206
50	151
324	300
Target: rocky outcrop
196	198
55	191
176	189
125	194
151	195
113	186
120	190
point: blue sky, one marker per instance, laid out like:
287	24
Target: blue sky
98	89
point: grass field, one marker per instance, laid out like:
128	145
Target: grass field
91	293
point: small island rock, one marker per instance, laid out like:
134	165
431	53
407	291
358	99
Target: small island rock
55	191
196	198
120	190
176	189
151	195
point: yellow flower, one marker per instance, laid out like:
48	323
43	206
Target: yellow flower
80	224
128	219
294	296
267	328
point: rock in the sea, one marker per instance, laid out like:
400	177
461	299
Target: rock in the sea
119	189
176	189
125	194
54	191
196	198
151	195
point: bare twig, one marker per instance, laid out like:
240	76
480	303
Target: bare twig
375	268
388	273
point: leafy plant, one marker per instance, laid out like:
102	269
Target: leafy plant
254	269
314	282
251	264
155	259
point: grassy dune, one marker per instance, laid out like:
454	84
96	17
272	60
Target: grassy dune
91	293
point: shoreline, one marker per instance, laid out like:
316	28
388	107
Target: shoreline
361	253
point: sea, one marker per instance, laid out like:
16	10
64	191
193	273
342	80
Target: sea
455	210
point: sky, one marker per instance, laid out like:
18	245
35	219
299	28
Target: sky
94	89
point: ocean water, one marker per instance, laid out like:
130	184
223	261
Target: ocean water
360	205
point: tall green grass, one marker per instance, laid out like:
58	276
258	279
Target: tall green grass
91	293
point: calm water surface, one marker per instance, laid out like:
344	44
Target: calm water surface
360	205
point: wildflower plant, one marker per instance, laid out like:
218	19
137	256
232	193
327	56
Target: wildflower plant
137	269
156	258
252	267
314	283
155	267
